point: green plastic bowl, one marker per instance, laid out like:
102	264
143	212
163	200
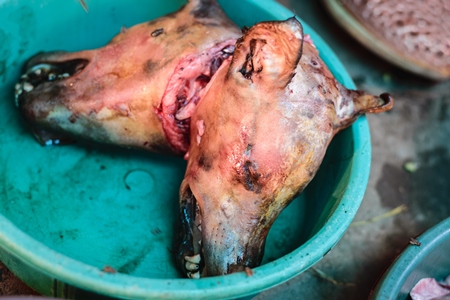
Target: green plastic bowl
430	259
68	212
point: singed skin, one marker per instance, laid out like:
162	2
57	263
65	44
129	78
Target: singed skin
253	142
257	139
126	92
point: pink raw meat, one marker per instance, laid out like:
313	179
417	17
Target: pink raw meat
430	288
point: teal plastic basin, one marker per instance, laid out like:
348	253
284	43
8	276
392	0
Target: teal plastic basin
430	259
68	212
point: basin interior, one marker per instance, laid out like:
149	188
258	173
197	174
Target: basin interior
106	206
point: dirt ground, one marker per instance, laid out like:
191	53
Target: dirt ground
11	285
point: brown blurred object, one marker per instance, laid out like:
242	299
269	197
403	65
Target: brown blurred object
11	285
413	34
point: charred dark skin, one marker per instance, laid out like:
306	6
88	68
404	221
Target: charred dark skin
258	137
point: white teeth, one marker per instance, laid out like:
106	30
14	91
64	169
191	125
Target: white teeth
34	74
37	69
51	142
191	267
18	91
193	259
195	275
27	87
16	99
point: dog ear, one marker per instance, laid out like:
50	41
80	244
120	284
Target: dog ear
272	56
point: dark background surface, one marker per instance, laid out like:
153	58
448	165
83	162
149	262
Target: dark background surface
415	133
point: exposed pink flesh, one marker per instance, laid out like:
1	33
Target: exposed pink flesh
184	90
430	288
137	91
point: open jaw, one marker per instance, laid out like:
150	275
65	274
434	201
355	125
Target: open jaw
189	255
212	243
37	73
46	97
185	89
